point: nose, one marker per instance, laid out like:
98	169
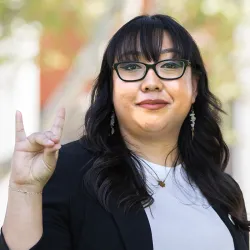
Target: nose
151	82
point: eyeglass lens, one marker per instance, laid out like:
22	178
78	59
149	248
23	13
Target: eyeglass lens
132	71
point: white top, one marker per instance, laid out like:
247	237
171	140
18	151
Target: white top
180	217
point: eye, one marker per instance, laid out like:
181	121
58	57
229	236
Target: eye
130	66
172	65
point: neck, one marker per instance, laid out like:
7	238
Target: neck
161	151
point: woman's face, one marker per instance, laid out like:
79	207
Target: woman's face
178	94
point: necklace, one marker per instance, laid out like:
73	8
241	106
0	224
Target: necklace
160	182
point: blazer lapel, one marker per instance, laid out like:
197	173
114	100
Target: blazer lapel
237	234
134	228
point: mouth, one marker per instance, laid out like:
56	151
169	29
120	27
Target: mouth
153	104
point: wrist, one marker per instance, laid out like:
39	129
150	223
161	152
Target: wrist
24	191
25	188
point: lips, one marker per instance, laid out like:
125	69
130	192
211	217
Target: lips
153	104
156	101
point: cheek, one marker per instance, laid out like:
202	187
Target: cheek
123	94
181	89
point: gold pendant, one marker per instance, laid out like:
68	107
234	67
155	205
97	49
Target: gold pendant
161	183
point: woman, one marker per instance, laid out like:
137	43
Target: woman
148	172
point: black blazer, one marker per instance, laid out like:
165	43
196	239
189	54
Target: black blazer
75	221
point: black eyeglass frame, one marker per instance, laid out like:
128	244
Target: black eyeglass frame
152	66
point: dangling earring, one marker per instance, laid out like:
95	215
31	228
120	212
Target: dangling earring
112	123
192	119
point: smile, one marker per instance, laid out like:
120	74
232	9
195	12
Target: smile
153	104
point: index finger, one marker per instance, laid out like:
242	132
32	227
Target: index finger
57	127
20	132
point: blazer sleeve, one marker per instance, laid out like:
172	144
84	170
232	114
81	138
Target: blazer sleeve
56	234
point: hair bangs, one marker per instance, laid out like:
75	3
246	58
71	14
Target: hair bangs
145	43
142	38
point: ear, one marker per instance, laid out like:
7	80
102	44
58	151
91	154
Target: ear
195	80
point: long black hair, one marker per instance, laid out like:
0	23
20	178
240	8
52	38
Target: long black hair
115	170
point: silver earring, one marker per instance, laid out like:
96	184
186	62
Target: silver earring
192	119
112	123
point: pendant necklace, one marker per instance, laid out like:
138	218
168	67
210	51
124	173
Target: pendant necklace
160	182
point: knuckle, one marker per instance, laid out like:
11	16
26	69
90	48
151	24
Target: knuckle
57	126
61	117
20	130
48	133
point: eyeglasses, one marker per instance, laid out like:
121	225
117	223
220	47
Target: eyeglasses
169	69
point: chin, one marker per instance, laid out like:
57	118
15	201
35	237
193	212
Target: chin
152	126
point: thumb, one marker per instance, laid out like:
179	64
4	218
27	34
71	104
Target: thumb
50	156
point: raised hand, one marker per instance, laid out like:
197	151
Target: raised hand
34	158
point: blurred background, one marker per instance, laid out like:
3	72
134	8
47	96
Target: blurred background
50	54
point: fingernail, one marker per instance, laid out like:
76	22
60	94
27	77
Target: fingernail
50	142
